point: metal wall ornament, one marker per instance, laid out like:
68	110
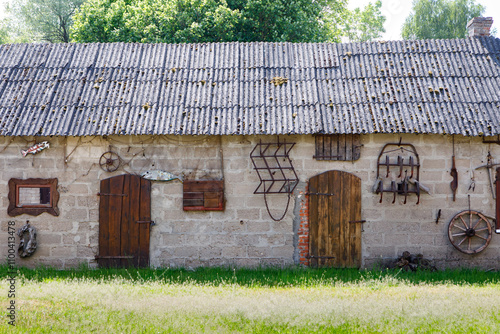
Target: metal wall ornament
401	163
27	244
275	170
35	148
110	161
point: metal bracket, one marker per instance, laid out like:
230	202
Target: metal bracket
103	194
146	222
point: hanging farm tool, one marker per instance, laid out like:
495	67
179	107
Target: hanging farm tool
497	220
489	165
454	174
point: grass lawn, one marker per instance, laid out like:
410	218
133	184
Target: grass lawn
253	301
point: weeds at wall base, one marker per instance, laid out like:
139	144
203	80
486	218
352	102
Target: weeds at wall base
259	277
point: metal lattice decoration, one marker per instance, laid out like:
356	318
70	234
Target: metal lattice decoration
275	170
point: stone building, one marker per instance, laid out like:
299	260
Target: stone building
316	154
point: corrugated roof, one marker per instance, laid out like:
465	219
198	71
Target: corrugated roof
429	86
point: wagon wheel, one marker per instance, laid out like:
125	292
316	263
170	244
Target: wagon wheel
469	231
109	161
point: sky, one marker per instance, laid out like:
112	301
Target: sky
396	11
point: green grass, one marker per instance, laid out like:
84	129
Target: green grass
265	300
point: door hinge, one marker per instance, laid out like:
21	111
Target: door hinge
146	222
103	194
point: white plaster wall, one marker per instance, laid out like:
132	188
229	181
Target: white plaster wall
243	234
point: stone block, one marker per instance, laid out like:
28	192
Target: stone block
209	252
258	227
187	252
234	252
197	240
283	251
81	214
222	240
49	239
63	252
172	240
421	239
396	239
246	263
248	214
74	239
248	239
78	189
259	252
86	252
272	262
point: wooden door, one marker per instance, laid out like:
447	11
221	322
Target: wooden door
124	222
334	220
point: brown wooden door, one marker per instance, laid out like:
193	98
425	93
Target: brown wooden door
334	215
124	222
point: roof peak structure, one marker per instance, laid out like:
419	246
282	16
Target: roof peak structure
419	86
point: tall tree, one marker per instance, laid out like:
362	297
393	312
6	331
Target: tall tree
365	25
175	21
41	20
440	19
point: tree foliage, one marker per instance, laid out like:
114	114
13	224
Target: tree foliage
365	25
440	19
40	20
178	21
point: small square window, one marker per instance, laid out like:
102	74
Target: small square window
33	197
341	147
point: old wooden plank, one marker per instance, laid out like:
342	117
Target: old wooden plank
333	217
104	225
319	139
203	186
313	219
135	193
125	221
212	199
355	228
345	217
323	219
115	213
145	214
356	147
497	183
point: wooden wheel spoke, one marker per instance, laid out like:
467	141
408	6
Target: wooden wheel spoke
468	247
458	234
475	225
463	221
462	241
463	229
481	237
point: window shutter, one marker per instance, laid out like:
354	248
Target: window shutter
206	195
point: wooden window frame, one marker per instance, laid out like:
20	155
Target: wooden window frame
15	209
337	147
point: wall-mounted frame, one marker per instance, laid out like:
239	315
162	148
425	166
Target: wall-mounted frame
33	197
203	195
340	147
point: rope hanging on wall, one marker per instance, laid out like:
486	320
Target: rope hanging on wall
27	244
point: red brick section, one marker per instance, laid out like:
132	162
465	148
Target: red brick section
304	228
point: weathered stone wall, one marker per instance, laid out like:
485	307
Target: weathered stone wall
243	234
